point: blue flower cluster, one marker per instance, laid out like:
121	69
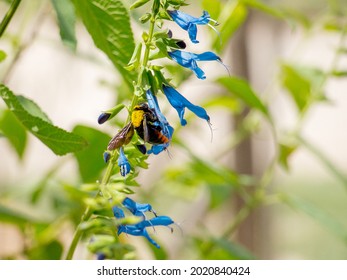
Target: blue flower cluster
148	120
140	228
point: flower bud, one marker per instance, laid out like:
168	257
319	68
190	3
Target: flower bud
181	44
103	117
107	157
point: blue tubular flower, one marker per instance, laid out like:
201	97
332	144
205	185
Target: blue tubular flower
188	22
137	209
140	229
189	60
123	163
179	102
118	213
166	128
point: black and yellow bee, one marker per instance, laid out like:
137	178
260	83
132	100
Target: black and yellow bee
143	120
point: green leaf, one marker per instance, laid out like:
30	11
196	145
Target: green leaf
109	25
265	8
49	251
10	216
14	132
303	83
2	56
66	19
232	17
90	160
58	140
214	7
318	214
285	151
339	73
32	108
243	90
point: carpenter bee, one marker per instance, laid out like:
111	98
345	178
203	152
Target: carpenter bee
145	121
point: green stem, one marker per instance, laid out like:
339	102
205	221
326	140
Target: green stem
108	173
10	13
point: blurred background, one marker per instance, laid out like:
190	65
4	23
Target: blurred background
263	189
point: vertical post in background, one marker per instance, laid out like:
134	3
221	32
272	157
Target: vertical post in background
253	231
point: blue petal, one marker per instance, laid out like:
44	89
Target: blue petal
207	56
133	230
203	20
157	149
188	22
135	208
192	32
180	18
156	221
123	163
187	60
117	212
179	102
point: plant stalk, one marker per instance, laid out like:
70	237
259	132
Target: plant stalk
7	18
108	173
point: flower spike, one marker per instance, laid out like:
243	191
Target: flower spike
123	163
179	102
189	23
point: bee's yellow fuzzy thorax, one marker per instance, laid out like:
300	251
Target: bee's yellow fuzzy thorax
137	117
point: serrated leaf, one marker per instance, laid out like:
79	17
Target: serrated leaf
243	90
32	108
90	160
109	25
66	19
58	140
14	132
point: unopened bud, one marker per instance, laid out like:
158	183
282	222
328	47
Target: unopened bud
103	117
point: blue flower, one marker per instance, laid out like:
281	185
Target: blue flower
179	102
189	23
123	163
189	60
166	128
137	209
139	229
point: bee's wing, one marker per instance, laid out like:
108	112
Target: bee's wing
123	137
145	129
